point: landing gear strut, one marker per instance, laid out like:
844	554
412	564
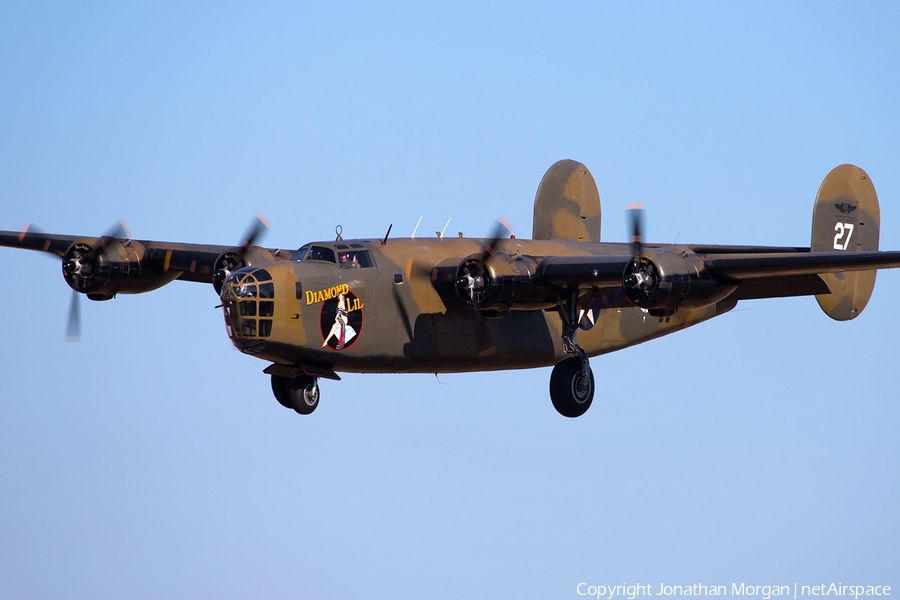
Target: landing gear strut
572	381
300	393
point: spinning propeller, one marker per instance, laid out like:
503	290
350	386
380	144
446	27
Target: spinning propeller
99	267
258	226
473	278
80	263
233	261
640	278
636	211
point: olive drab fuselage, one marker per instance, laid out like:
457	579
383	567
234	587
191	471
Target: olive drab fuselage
402	322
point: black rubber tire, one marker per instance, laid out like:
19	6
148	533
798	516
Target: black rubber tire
571	388
300	393
305	394
281	389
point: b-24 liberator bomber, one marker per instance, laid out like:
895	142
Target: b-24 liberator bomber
449	305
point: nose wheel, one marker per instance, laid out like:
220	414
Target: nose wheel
300	393
572	386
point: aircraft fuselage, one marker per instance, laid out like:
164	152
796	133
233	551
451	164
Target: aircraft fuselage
380	311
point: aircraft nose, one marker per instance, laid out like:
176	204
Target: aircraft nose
248	300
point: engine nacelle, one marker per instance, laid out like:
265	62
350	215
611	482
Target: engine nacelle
102	268
498	283
662	282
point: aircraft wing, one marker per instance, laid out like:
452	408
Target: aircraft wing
192	262
606	271
104	266
27	240
743	267
801	274
673	276
584	272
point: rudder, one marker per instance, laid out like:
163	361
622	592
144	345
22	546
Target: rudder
567	204
846	218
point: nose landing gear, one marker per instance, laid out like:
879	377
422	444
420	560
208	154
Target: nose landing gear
300	393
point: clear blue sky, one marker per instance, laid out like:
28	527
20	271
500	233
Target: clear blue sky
151	460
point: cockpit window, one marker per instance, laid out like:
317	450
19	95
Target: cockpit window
347	256
319	253
356	259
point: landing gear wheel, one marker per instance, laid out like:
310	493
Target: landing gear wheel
300	393
281	388
572	387
305	394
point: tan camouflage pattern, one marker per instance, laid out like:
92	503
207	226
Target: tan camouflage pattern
846	199
567	205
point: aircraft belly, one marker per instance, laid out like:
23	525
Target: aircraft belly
620	328
441	343
464	340
461	341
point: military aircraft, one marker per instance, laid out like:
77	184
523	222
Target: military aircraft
449	305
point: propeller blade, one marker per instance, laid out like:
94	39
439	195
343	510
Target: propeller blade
232	261
502	230
636	211
634	276
83	263
30	228
257	228
73	322
117	231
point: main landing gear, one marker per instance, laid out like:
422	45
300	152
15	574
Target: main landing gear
300	393
572	381
572	386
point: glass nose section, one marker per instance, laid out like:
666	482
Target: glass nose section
248	300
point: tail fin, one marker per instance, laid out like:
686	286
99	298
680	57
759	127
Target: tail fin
567	204
846	218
